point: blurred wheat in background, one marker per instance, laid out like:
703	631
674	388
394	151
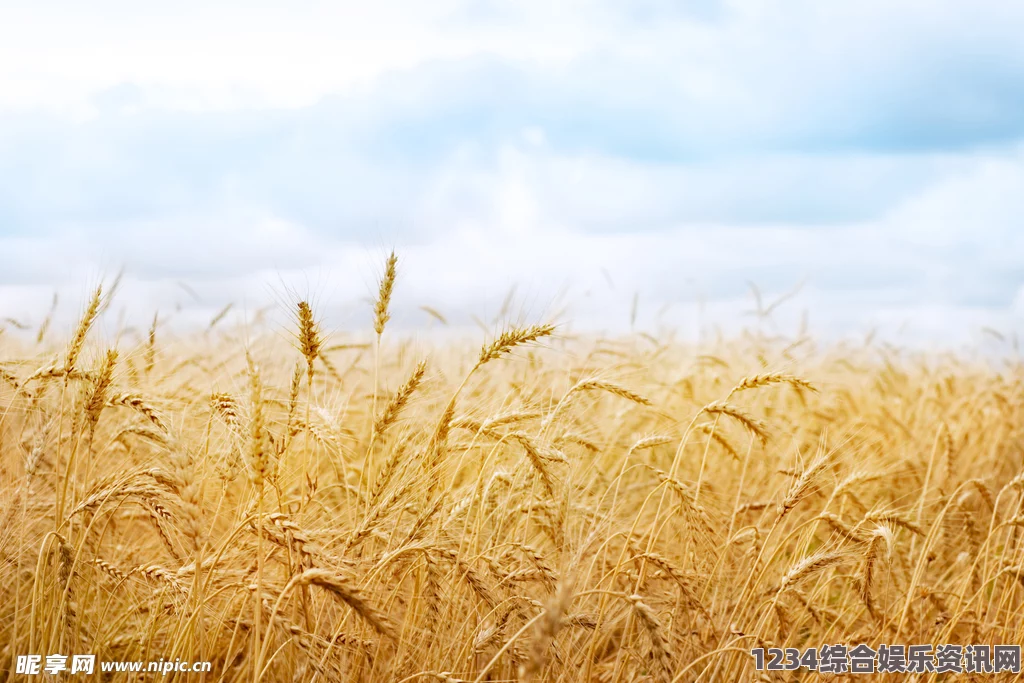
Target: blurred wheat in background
539	506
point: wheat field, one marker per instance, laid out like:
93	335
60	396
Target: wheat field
293	506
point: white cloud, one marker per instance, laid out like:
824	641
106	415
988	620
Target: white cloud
872	147
56	53
885	271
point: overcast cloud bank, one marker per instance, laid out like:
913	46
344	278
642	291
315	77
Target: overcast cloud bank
585	154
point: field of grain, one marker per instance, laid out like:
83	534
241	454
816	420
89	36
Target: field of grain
534	506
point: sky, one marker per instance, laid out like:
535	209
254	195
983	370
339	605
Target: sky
620	164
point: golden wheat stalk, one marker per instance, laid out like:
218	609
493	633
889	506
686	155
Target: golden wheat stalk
509	339
398	402
756	427
769	378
